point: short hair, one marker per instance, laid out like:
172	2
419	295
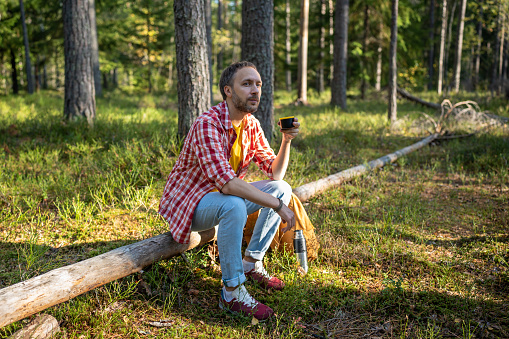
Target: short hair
229	72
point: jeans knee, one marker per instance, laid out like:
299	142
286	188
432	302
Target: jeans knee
235	209
283	190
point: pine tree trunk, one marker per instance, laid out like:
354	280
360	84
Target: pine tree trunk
28	64
364	59
392	113
477	62
431	44
320	87
302	72
219	28
149	49
448	46
338	85
258	47
288	46
192	62
378	84
442	46
14	73
79	97
95	50
208	26
331	39
459	46
501	54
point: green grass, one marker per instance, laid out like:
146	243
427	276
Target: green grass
417	249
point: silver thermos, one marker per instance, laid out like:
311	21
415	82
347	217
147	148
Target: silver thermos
299	246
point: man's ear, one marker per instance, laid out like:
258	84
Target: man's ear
228	91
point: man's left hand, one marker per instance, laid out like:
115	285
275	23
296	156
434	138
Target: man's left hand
289	134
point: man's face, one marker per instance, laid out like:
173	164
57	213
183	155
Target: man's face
246	90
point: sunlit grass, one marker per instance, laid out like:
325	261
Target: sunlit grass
417	249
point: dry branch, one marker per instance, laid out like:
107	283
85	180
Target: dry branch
43	326
410	97
31	296
311	189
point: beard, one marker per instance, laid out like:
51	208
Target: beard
244	106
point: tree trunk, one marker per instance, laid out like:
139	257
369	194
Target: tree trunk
364	59
431	43
338	85
378	84
320	87
302	67
258	47
79	97
14	73
311	189
34	295
44	75
149	49
192	62
95	50
219	28
288	48
448	47
392	112
501	54
208	26
459	46
477	61
28	64
37	74
442	46
331	40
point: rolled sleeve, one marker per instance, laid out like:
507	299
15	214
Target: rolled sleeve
264	154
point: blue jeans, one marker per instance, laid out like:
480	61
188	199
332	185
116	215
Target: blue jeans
230	213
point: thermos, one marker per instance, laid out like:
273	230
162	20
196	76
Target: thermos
299	246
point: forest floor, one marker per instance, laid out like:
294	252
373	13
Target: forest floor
419	249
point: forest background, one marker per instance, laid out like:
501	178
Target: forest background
416	250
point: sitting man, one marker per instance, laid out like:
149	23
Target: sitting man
205	187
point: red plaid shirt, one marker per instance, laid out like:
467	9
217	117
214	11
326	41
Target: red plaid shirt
203	165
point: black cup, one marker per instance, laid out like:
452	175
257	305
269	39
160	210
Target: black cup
287	123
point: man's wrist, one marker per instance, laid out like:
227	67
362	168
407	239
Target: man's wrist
279	207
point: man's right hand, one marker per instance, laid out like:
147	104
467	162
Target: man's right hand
288	217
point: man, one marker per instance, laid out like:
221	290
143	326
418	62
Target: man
205	187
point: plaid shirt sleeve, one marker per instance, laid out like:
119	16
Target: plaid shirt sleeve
264	155
210	151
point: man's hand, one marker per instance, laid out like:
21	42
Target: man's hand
288	217
289	134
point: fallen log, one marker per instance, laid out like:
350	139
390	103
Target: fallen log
43	326
311	189
410	97
36	294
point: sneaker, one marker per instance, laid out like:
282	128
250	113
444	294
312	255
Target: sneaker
261	276
245	304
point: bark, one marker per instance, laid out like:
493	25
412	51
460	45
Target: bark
192	62
459	45
331	39
208	27
431	43
364	59
79	97
258	47
501	54
43	326
392	112
448	47
95	50
14	73
442	47
302	72
34	295
149	50
378	84
338	85
288	48
477	61
28	63
219	28
309	190
320	87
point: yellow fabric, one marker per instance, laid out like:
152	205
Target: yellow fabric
284	241
236	151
